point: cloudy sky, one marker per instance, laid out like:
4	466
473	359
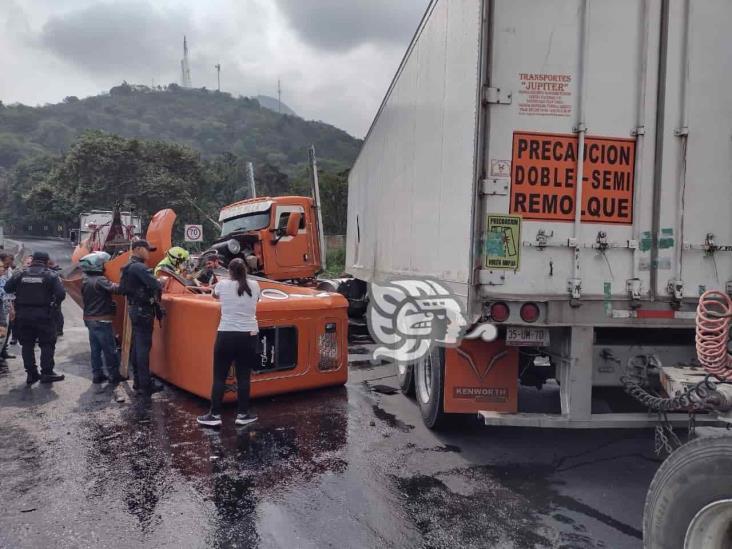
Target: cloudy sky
335	58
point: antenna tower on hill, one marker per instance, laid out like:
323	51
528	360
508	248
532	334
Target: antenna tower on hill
185	69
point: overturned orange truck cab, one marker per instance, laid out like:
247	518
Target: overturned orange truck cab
303	332
276	236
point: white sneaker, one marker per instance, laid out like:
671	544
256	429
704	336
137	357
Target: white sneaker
245	419
209	420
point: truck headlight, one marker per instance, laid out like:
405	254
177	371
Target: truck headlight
328	345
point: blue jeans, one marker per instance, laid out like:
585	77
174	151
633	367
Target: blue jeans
142	320
101	341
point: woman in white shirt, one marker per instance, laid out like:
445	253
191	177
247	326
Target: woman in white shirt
236	341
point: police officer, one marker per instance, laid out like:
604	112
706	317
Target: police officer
143	293
37	289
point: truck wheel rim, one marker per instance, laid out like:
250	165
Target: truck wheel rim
425	379
711	528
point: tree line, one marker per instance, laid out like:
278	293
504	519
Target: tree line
101	169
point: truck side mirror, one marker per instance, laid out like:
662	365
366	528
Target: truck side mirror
293	223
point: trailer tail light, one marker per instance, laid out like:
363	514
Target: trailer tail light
328	345
529	312
500	312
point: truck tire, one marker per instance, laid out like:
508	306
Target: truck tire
405	377
429	378
690	497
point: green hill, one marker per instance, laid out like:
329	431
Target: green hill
209	122
153	148
272	104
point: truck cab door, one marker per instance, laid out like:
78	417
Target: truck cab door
291	251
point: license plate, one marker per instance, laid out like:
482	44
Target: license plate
520	337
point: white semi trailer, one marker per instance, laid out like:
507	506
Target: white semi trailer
94	227
564	167
469	173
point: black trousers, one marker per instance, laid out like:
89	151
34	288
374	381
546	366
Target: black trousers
58	318
30	332
241	349
142	330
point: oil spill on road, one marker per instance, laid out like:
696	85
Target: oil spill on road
145	455
487	517
390	419
445	448
483	506
21	453
531	480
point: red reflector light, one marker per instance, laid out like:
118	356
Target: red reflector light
500	312
529	312
655	314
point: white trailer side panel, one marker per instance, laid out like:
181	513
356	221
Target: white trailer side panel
410	194
696	196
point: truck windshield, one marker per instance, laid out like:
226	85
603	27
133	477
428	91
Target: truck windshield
246	222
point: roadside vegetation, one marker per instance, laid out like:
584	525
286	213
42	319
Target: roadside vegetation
154	148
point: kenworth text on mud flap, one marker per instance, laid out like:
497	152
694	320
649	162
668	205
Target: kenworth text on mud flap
562	167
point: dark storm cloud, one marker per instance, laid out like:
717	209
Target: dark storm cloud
113	37
344	24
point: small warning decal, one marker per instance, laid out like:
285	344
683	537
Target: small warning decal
545	94
500	168
503	242
544	178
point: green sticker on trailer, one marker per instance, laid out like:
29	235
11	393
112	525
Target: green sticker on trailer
503	242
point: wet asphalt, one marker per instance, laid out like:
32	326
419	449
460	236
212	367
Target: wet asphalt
343	467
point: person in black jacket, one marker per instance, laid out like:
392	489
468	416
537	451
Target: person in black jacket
99	310
143	293
206	274
36	290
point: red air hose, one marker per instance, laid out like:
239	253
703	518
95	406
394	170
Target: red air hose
713	317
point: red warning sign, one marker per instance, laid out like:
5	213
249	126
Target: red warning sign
544	178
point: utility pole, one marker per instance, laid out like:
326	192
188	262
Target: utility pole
279	97
318	209
250	178
218	76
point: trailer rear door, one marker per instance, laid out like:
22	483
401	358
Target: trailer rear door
547	64
695	218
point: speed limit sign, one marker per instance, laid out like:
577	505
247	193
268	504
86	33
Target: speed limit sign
194	233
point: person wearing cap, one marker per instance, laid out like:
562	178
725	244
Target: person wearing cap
142	291
36	290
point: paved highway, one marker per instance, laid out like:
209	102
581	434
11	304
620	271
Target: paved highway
346	467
